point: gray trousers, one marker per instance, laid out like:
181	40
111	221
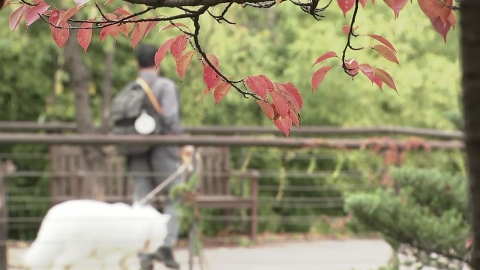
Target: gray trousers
162	162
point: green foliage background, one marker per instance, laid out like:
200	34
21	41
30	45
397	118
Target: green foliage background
282	43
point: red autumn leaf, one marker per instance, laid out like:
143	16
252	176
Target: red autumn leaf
378	82
150	27
275	112
383	40
61	33
368	71
295	93
294	118
122	12
346	29
175	25
220	91
68	14
385	77
213	59
109	30
53	18
160	54
318	76
363	3
289	99
325	56
268	82
178	46
396	6
84	35
345	6
210	77
17	16
284	124
184	62
108	2
267	109
280	104
353	67
138	33
124	28
386	52
257	85
442	29
452	19
206	90
33	14
434	9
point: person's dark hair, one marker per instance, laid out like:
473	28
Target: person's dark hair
146	55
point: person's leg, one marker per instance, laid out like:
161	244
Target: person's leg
141	185
165	161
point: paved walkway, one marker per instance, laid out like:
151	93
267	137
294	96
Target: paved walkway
318	255
315	255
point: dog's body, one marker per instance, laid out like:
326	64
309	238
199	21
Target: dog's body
92	232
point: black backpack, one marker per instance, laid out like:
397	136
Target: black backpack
128	105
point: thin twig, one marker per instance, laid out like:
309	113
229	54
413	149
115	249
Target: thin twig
196	22
348	45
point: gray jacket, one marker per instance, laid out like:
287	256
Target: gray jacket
162	159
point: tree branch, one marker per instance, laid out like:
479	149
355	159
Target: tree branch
348	44
191	3
196	22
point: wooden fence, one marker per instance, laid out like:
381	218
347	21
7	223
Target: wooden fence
59	127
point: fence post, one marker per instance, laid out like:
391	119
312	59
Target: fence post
3	218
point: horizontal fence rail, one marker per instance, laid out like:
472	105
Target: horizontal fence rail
58	127
98	139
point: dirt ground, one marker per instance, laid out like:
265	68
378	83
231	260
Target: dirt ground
305	255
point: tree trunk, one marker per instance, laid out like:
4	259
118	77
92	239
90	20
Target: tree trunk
92	186
107	86
470	62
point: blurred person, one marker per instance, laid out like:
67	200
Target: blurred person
150	105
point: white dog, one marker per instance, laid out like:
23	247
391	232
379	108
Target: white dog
93	234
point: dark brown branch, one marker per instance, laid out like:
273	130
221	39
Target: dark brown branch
311	8
26	3
268	4
348	45
127	19
185	3
196	23
451	7
221	17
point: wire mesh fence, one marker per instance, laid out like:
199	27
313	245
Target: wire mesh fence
300	192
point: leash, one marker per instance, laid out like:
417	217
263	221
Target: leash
186	166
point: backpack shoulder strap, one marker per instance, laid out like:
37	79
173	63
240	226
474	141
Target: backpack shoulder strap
150	94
